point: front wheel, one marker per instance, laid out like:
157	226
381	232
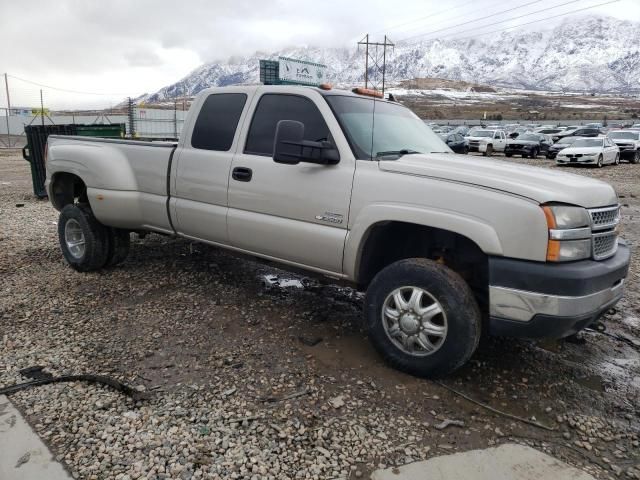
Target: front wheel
508	155
534	153
636	157
599	165
489	151
617	160
84	241
422	317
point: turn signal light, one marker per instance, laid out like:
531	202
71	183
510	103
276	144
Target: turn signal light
368	92
551	218
553	250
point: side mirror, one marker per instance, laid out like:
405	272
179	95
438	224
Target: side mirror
290	147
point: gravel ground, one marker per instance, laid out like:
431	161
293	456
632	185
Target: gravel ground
254	373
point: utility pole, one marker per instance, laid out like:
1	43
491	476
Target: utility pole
378	62
6	86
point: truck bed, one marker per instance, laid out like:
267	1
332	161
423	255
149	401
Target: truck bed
127	180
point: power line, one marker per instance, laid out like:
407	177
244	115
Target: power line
535	21
475	20
393	27
64	89
497	23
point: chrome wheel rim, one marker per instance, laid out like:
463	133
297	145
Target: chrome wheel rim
414	321
74	238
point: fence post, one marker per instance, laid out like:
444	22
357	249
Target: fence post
175	118
8	111
132	120
41	108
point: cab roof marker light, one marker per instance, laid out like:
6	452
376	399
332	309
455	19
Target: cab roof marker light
368	92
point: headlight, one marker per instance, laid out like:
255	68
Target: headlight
569	233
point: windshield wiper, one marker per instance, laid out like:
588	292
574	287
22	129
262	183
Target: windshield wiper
399	153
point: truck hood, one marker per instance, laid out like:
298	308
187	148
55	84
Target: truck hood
539	184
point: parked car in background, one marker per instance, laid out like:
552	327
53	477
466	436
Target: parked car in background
487	141
455	142
596	151
587	132
519	131
635	126
528	145
461	129
567	132
548	131
561	144
628	141
594	125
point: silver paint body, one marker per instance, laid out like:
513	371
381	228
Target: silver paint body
316	217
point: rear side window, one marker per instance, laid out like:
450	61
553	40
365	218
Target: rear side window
275	107
217	122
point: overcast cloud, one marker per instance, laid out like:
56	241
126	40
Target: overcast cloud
130	47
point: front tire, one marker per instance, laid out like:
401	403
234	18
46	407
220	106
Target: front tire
636	157
534	153
489	151
84	241
599	165
422	317
617	160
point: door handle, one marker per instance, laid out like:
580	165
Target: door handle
242	174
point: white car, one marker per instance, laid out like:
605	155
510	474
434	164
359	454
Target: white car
486	141
597	151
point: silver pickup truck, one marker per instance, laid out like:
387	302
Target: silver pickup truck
356	188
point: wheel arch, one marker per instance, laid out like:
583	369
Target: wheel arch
65	188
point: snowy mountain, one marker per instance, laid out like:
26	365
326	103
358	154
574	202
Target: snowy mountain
590	53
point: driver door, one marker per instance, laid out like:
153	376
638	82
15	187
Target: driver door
293	213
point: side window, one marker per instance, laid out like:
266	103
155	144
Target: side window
275	107
217	121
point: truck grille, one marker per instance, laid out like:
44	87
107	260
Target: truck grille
603	218
605	237
604	245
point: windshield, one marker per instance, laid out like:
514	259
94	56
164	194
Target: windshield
625	135
376	128
587	142
529	136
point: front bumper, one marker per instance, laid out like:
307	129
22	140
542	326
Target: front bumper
535	300
477	147
627	153
576	161
518	150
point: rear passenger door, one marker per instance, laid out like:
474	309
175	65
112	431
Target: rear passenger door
200	173
296	213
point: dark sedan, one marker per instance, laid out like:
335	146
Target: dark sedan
528	145
455	142
561	144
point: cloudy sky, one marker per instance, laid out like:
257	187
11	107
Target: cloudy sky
127	47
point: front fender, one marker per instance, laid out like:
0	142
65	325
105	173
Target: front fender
474	229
